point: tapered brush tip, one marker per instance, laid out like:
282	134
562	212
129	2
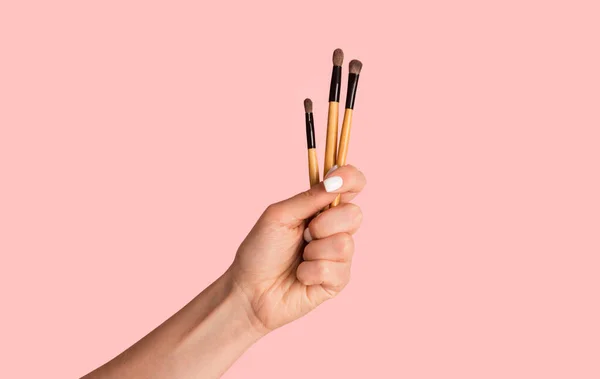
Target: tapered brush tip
308	105
338	57
355	66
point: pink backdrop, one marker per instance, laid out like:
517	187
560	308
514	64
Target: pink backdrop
140	141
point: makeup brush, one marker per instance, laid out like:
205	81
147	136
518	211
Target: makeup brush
354	68
313	163
333	115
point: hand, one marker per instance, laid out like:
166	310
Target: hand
283	277
275	278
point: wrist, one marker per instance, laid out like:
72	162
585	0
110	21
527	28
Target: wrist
241	306
217	327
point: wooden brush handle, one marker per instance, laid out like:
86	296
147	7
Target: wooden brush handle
332	136
331	144
344	143
313	167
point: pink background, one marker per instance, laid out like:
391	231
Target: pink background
140	141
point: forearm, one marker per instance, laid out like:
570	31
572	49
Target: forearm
200	341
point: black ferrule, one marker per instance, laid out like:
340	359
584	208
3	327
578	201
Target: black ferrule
351	95
310	131
336	84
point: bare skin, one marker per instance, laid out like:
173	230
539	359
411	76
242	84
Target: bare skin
275	278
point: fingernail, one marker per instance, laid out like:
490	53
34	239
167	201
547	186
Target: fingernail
333	183
307	236
332	169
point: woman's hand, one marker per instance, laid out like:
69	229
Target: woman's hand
275	278
283	277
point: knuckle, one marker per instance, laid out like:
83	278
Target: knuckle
347	276
356	212
344	244
359	215
322	269
273	213
342	280
269	211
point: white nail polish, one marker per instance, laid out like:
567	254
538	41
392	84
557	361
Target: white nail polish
333	183
307	236
332	169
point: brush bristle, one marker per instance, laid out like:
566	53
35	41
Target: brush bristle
338	57
355	66
308	105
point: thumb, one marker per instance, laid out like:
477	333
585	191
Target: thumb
298	208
